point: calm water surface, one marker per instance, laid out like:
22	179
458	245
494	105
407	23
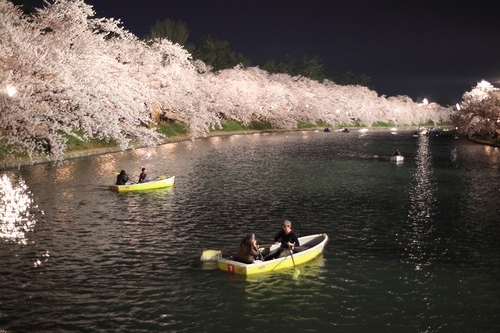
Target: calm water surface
413	246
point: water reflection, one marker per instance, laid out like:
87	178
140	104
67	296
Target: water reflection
130	262
15	204
422	206
454	157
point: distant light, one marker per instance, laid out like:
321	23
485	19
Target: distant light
307	105
425	101
11	91
458	107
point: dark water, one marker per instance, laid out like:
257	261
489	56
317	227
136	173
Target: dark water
413	246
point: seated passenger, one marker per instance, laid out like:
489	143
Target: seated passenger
122	178
248	250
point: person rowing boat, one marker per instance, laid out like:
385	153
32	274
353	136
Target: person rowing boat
288	239
143	177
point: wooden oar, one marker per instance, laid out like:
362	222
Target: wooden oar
208	255
297	272
157	178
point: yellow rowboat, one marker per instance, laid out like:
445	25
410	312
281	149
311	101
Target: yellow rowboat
310	247
151	185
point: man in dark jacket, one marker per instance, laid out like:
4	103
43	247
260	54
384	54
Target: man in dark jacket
288	239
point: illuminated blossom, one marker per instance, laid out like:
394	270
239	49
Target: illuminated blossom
78	75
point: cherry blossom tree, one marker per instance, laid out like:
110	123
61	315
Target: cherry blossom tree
69	79
65	72
247	94
479	111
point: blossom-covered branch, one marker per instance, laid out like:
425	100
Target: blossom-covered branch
479	111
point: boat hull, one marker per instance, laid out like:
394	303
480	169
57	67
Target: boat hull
235	267
151	185
398	158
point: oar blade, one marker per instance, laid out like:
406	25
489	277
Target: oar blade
209	255
296	270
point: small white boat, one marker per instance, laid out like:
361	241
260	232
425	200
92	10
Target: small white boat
397	158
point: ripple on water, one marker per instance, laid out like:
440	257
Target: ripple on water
413	246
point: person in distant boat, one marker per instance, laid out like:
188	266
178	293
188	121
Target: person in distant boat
143	177
248	250
396	152
288	239
326	130
122	178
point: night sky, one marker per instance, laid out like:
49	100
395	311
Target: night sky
433	49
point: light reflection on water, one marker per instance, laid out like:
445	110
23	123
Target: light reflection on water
413	246
422	205
16	204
